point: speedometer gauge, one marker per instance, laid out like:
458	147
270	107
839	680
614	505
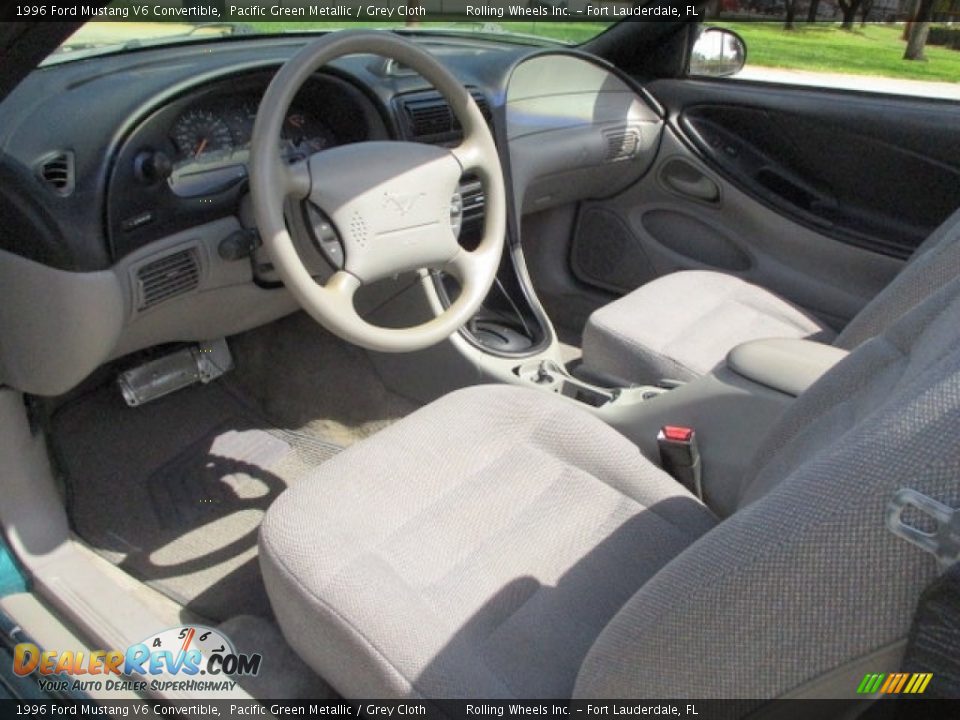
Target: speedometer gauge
199	132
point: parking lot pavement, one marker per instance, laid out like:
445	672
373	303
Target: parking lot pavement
923	88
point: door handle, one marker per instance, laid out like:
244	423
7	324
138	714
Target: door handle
796	191
685	179
703	188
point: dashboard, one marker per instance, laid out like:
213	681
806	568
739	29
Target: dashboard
123	179
124	150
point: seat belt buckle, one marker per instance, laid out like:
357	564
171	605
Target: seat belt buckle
943	542
680	456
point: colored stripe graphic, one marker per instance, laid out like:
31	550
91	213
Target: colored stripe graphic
918	683
890	684
915	680
894	683
901	681
870	683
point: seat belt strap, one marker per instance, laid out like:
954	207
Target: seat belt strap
935	632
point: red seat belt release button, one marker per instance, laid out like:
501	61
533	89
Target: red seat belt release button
680	456
676	433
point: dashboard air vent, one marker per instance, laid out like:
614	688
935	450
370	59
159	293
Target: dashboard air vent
622	143
429	118
56	171
168	277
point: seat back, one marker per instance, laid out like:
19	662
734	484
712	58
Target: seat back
933	264
805	577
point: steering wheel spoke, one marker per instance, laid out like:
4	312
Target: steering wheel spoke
464	266
469	154
339	291
295	178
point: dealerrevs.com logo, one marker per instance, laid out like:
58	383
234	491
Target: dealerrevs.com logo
190	658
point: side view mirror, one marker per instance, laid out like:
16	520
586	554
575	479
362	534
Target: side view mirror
718	52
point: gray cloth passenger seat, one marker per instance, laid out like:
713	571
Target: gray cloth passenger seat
682	325
804	576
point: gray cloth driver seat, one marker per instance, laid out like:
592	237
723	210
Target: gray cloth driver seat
682	325
504	542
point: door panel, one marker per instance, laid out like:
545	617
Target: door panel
817	195
879	171
737	234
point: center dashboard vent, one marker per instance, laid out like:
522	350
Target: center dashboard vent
57	172
168	277
427	116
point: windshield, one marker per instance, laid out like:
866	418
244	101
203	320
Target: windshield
128	24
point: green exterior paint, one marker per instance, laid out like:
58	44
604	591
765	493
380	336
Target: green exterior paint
12	579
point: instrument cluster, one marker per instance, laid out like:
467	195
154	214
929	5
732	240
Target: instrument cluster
206	134
212	142
188	161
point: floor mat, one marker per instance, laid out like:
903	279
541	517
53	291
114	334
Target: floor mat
323	385
173	492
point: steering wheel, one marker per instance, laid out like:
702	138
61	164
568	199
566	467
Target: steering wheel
389	201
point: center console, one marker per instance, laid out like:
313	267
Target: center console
548	375
732	408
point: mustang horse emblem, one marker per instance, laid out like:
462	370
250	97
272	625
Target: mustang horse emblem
402	203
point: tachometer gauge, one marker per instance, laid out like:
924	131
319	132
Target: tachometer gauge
199	133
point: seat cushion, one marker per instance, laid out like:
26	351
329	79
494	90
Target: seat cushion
682	325
476	548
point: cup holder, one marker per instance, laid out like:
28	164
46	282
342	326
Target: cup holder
551	376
